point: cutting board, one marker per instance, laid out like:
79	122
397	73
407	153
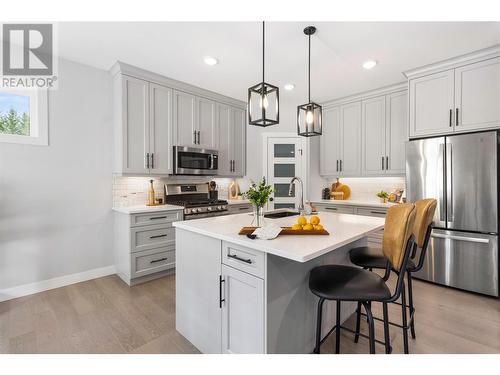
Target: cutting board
289	231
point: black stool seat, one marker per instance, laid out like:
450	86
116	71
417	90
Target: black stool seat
371	257
347	283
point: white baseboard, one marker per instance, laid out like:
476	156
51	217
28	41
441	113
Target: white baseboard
56	282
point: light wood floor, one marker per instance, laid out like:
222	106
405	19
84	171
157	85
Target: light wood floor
106	316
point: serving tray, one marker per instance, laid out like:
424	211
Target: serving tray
289	231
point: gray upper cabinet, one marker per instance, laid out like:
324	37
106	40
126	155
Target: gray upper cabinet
206	132
374	139
455	96
477	95
160	137
185	129
231	140
350	140
365	135
431	104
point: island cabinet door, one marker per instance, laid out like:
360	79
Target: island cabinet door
242	312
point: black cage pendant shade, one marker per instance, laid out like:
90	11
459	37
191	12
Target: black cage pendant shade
263	98
309	115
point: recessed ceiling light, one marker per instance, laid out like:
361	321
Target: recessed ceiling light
289	86
370	64
210	60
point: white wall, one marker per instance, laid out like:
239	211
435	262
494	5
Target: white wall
55	200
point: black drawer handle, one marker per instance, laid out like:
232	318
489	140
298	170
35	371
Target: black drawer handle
221	280
331	208
249	261
157	217
243	208
378	212
159	236
158	260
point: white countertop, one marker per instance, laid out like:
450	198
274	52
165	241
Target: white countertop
140	209
343	230
355	202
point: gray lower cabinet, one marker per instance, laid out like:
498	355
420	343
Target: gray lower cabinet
374	239
144	244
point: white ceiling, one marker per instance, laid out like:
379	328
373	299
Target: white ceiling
338	49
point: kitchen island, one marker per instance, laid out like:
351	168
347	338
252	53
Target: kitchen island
238	295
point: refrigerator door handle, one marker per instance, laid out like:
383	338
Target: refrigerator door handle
449	182
441	163
461	238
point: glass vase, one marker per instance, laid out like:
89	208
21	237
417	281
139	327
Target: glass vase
258	216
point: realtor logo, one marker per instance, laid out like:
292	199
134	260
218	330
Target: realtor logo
28	55
27	49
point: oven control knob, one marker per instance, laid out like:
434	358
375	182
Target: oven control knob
209	208
187	211
219	208
194	210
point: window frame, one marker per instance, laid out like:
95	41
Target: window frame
39	132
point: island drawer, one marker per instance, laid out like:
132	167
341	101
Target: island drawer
152	261
152	236
161	217
336	209
243	259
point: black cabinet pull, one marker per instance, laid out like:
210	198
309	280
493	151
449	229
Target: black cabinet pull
378	212
456	116
158	236
199	137
221	280
157	217
451	115
382	163
158	260
194	136
243	208
341	165
337	165
147	160
152	161
387	163
331	208
249	261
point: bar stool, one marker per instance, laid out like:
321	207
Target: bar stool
373	258
346	283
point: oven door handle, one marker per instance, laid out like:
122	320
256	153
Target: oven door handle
211	161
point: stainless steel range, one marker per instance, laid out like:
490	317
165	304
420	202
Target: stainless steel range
195	200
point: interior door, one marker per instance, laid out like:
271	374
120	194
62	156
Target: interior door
425	168
242	312
350	139
284	161
396	134
136	122
206	131
239	142
477	95
431	104
161	153
184	119
472	182
373	120
329	142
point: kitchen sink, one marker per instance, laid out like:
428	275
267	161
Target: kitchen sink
280	214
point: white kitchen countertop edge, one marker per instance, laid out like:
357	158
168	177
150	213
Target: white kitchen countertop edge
145	209
260	244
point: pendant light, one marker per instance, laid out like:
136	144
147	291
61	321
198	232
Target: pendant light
263	98
310	115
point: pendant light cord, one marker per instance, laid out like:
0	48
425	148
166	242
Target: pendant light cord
263	51
309	79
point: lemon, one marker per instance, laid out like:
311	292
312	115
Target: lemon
302	220
296	227
318	227
314	220
308	227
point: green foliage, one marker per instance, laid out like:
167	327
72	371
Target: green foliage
382	194
259	194
15	123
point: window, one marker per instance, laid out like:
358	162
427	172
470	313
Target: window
23	116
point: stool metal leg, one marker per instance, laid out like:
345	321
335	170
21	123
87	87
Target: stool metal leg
412	309
405	322
337	330
358	321
371	327
318	325
387	338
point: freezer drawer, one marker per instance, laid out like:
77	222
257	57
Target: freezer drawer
462	260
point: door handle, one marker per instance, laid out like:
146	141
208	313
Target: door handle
152	161
147	160
456	116
337	165
157	217
234	256
378	212
451	115
234	165
449	182
382	163
441	163
158	236
158	260
461	238
341	165
331	208
387	163
194	137
199	137
221	280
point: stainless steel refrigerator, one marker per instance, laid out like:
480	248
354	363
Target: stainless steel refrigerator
461	172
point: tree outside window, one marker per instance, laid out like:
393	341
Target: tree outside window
14	114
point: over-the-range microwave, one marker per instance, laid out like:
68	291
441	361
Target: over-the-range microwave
195	161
